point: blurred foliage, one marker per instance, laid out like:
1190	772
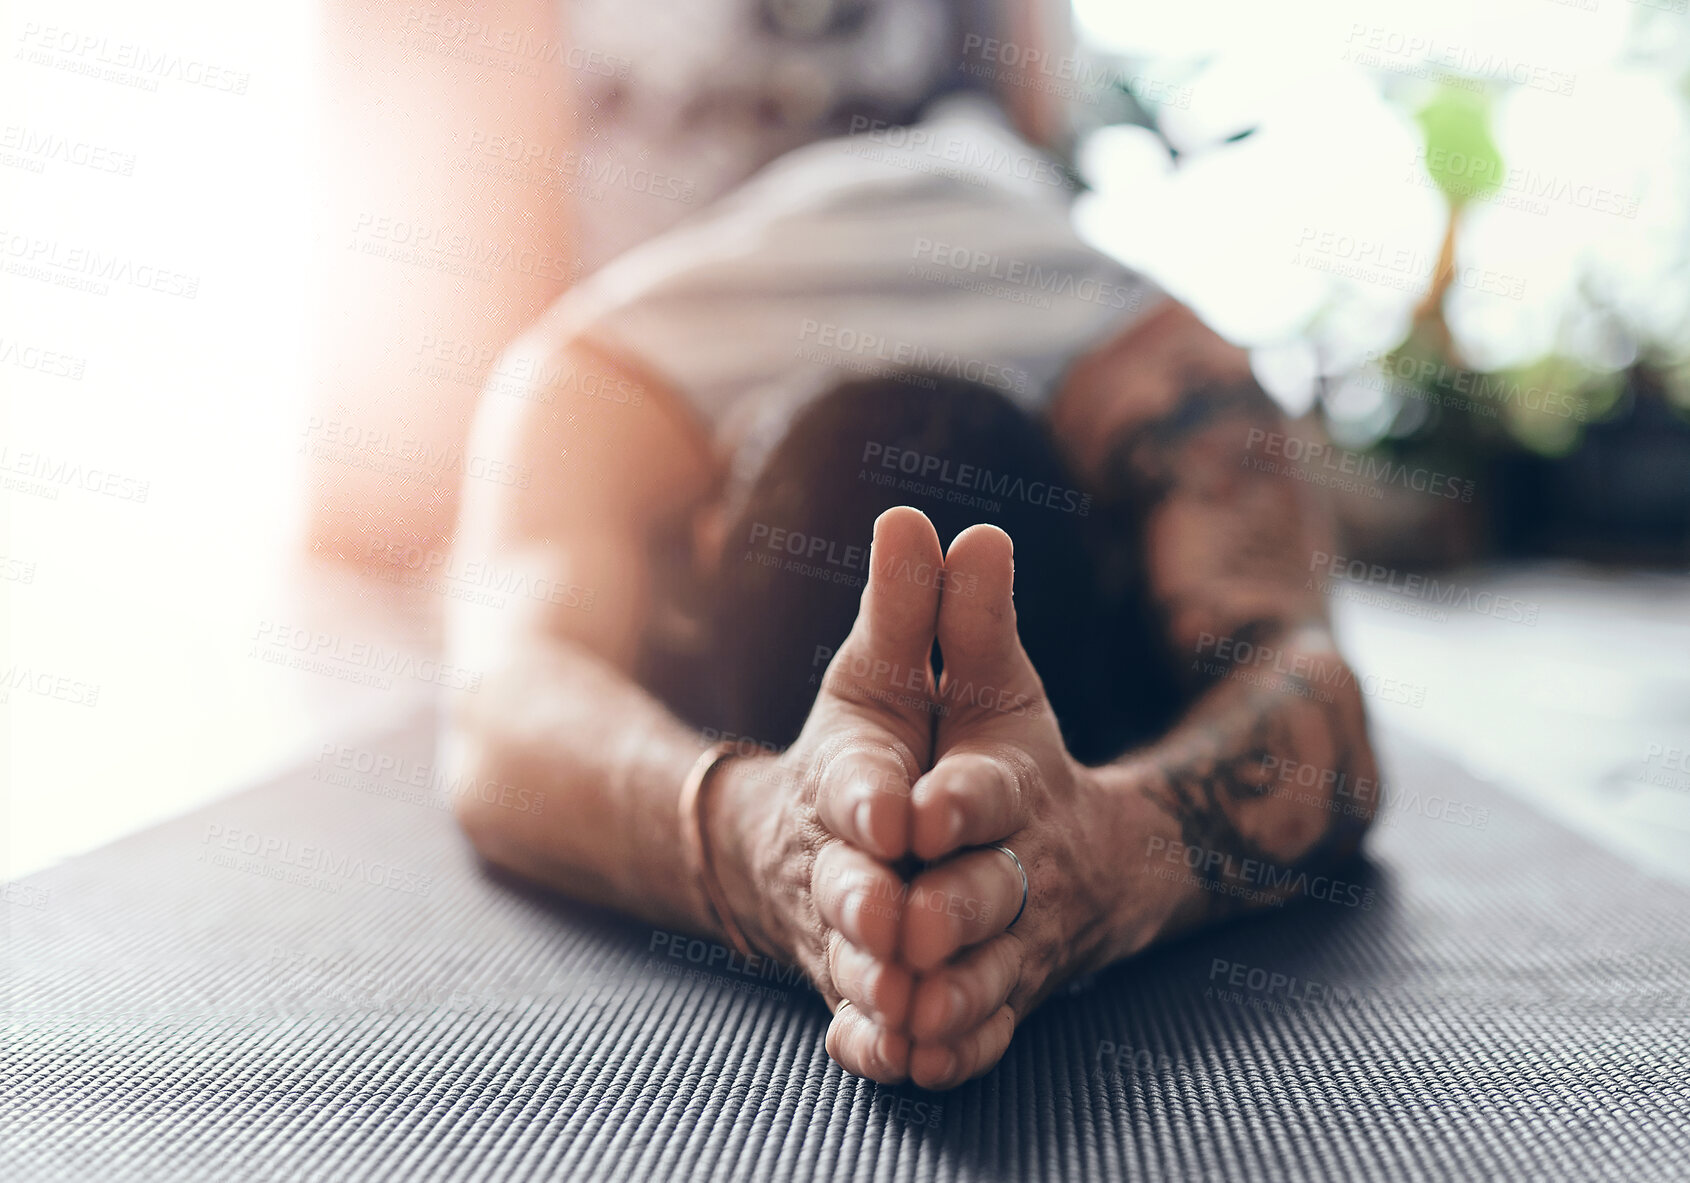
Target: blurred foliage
1433	398
1542	407
1677	380
1460	154
1582	190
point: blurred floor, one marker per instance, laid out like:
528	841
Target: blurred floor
205	687
1578	713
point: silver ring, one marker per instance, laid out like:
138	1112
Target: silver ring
1023	871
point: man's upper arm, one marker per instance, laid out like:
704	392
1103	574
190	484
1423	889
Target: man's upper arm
1171	428
596	457
1164	421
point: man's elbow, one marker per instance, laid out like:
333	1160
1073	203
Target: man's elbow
489	803
1334	694
1358	791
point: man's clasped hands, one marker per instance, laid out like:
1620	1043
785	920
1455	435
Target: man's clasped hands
868	852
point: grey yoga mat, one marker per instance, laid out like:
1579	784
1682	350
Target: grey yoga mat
315	979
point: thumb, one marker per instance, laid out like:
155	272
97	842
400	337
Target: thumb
985	667
882	667
879	687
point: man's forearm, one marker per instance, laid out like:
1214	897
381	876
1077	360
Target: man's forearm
1266	784
1268	779
610	760
559	712
1266	775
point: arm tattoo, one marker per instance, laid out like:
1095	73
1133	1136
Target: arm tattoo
1233	771
1147	462
1238	563
1243	541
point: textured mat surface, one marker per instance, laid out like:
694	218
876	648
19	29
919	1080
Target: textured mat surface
314	980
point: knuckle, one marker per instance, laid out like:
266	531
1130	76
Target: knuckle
826	878
860	744
840	683
1010	954
1020	771
1013	952
969	987
1004	1021
830	959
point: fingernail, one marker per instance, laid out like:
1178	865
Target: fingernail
953	827
883	1050
860	817
871	982
853	914
949	1069
959	1003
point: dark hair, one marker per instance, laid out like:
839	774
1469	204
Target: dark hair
962	453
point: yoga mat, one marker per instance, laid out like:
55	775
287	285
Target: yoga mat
316	979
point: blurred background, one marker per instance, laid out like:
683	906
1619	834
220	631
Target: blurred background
257	269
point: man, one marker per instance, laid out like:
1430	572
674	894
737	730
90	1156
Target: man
969	778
